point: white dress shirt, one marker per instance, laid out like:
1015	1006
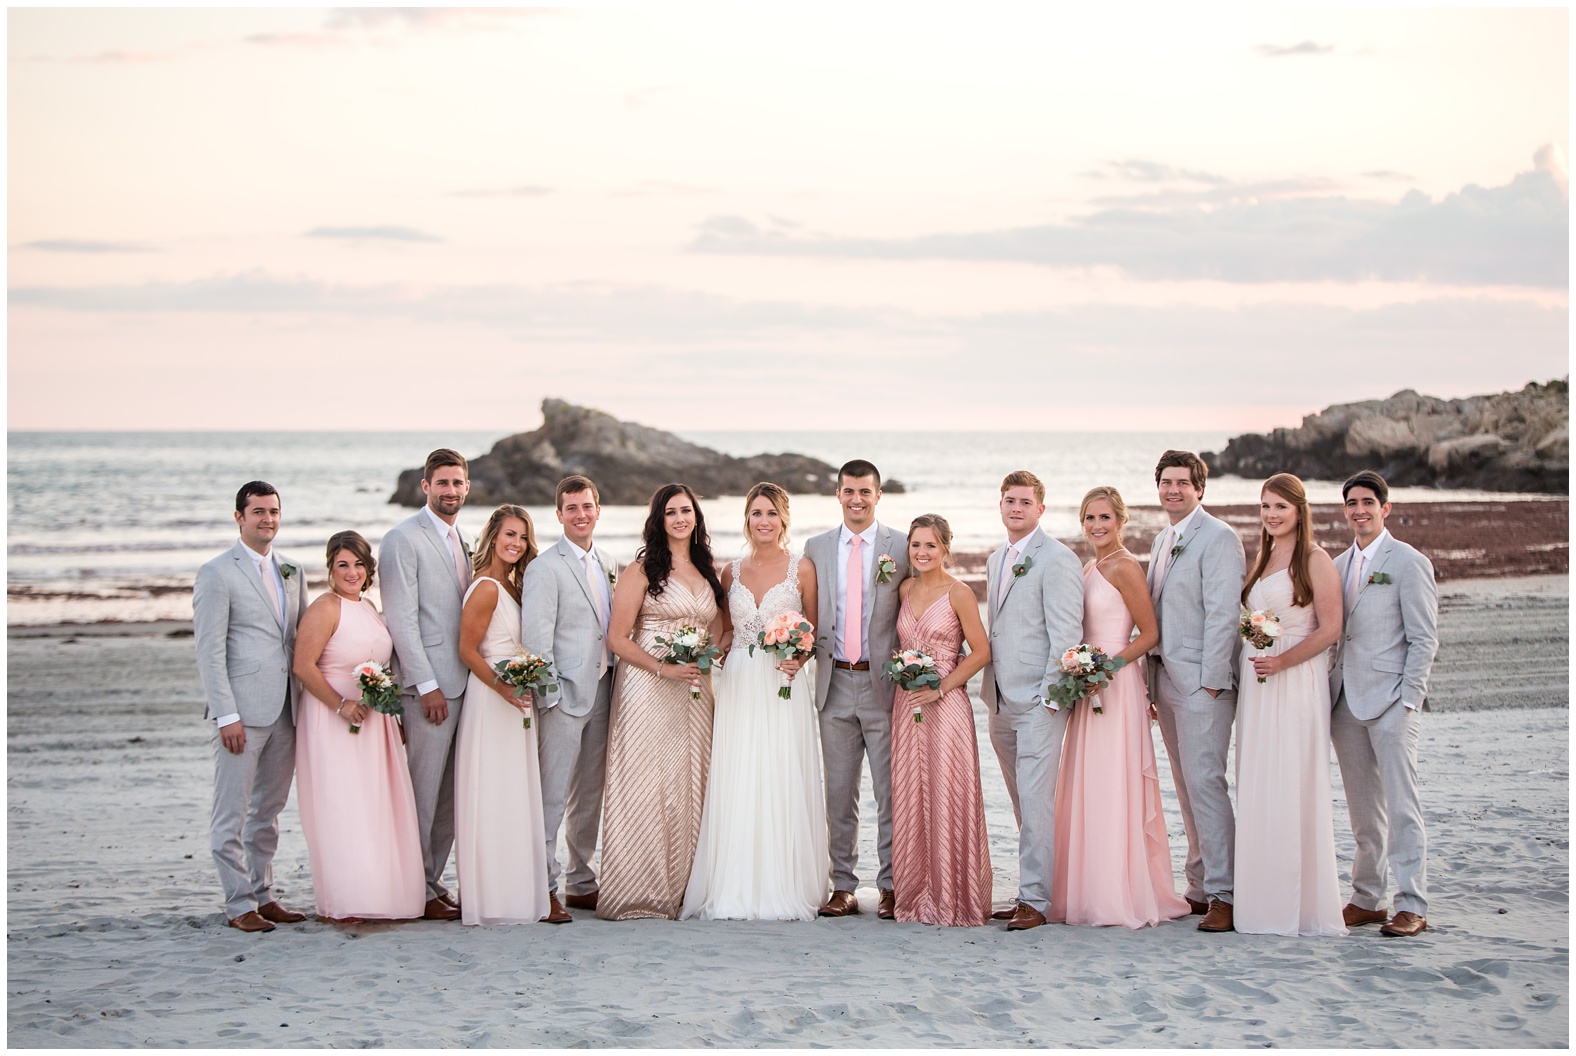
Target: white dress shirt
868	552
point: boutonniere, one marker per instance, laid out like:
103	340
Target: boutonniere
885	566
1022	567
466	548
286	570
612	580
1175	550
1380	578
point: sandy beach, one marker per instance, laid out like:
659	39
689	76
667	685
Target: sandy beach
115	937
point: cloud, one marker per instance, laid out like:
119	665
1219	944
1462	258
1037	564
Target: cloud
105	58
1516	234
1140	171
309	41
384	232
528	190
1307	47
86	245
1385	174
425	19
658	188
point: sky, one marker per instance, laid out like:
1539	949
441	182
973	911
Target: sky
882	217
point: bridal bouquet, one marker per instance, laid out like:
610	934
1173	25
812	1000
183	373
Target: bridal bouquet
527	673
787	637
1260	628
912	669
1086	669
689	646
379	690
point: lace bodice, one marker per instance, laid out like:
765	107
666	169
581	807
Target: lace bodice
748	619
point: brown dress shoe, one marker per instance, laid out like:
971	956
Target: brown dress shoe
556	913
1005	914
1355	916
581	901
1198	908
1218	918
449	900
1025	917
888	908
438	909
1404	924
277	914
841	904
250	921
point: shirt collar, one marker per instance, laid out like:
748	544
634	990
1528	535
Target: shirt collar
438	522
1021	544
868	535
1182	525
582	554
258	559
1365	552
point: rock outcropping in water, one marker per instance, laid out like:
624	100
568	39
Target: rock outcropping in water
628	462
1510	441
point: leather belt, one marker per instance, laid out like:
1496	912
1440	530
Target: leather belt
863	665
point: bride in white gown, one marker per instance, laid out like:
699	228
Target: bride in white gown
762	853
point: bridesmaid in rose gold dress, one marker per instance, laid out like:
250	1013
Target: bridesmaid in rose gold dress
940	854
353	789
1113	857
659	739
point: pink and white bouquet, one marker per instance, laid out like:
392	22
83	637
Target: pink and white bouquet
1086	669
788	636
528	674
379	690
1260	628
912	669
689	645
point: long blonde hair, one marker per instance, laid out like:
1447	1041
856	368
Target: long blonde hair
484	549
779	500
1289	488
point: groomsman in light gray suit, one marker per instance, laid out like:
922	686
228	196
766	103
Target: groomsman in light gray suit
1035	598
1379	683
856	626
564	609
425	567
1196	569
245	606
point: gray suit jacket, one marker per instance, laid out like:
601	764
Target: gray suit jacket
1200	605
880	608
1038	618
559	622
422	601
1387	647
243	654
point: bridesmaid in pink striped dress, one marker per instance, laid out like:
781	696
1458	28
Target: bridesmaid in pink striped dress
1113	857
940	855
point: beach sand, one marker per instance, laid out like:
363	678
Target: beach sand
109	782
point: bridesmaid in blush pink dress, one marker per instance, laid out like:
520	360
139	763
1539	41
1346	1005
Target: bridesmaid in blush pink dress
1113	857
357	808
940	854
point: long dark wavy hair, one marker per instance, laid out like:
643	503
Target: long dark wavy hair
656	560
1289	488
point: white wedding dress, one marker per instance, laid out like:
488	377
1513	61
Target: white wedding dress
762	853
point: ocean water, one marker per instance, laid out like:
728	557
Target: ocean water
114	525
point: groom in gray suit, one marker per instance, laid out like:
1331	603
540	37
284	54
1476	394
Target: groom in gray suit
245	606
425	568
1196	569
861	562
1034	594
1379	683
564	609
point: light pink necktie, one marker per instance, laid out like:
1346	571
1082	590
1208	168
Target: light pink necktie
273	589
852	631
460	567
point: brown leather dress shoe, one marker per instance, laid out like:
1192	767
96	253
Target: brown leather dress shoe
250	921
449	900
581	901
841	904
1218	918
888	908
1356	916
1004	914
277	914
1198	908
556	913
1404	925
1025	917
438	909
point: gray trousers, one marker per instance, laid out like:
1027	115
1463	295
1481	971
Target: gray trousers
572	750
1196	729
249	791
429	751
1378	759
855	724
1028	745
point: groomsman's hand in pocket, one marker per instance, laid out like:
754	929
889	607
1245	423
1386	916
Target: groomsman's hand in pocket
233	737
434	706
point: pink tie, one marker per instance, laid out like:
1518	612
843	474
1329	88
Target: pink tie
459	558
273	590
852	631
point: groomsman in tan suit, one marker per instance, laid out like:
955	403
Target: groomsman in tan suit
245	606
425	570
1379	683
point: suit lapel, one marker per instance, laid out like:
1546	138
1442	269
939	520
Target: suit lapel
249	572
1031	547
567	552
1375	566
441	544
993	577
